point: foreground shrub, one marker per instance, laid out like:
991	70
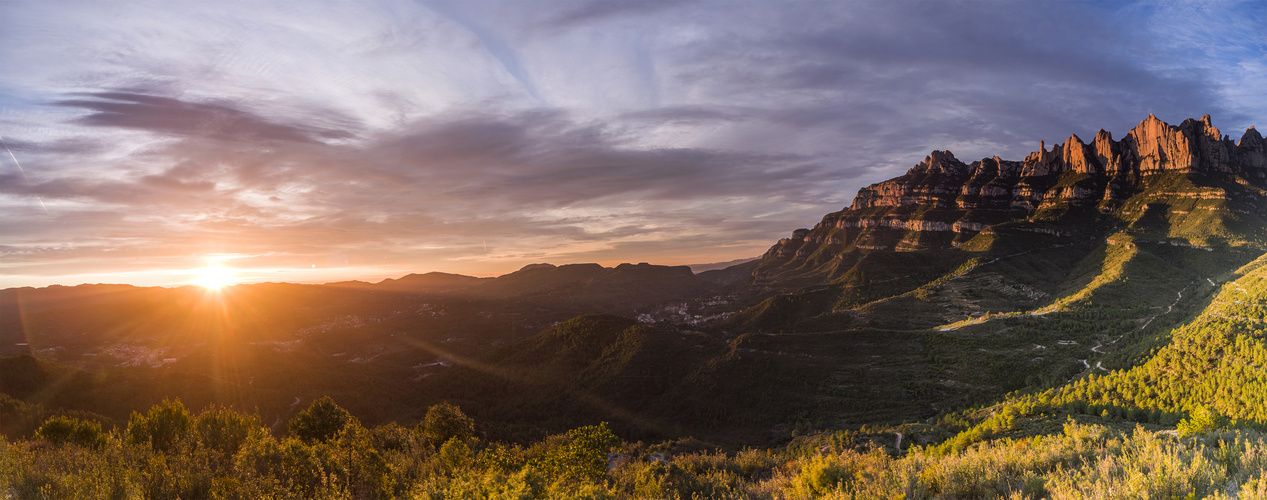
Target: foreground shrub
224	430
444	422
64	430
163	428
321	421
223	454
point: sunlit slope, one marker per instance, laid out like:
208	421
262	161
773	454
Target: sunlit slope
1114	303
1209	357
1069	293
1219	359
1196	209
1040	259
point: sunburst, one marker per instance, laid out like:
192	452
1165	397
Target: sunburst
215	277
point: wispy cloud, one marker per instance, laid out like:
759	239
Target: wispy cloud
479	136
172	116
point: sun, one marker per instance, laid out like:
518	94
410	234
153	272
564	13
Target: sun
215	277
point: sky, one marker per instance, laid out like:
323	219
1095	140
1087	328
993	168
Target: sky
319	141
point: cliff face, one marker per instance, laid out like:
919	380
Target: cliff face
943	202
1152	147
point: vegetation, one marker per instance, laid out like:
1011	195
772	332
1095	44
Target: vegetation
227	454
1084	352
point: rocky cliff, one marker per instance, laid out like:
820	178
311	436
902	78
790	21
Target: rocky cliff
943	202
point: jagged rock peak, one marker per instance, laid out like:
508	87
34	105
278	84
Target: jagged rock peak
1251	134
942	201
940	162
1152	146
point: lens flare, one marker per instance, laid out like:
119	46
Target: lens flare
215	277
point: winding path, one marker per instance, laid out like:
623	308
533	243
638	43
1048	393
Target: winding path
1168	309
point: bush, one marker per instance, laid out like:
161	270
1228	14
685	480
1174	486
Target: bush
280	468
393	437
321	422
225	430
1202	419
820	475
584	455
444	422
63	430
455	455
164	428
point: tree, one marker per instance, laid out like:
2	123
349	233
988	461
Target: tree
1202	419
164	427
444	422
321	422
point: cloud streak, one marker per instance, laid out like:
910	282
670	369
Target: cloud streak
172	116
478	136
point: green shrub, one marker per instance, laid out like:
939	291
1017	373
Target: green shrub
225	430
320	422
393	437
820	475
1202	419
444	422
359	466
288	467
164	428
583	456
455	455
62	430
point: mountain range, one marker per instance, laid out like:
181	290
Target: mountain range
1076	277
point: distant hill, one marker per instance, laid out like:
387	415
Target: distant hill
593	284
701	268
1118	279
430	282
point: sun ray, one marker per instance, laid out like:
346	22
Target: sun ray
215	277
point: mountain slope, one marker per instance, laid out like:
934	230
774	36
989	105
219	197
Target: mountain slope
934	293
1219	359
1004	276
1183	186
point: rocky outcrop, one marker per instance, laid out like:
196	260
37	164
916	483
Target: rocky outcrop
934	182
1194	146
1251	154
1153	146
943	201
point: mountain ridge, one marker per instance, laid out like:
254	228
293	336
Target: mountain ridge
1185	184
829	335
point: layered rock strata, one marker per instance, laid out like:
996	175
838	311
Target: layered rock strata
942	201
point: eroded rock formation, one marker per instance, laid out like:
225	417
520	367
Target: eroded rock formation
942	201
